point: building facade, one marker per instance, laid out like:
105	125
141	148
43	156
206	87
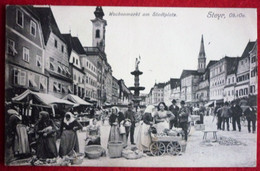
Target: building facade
55	55
24	55
115	91
253	70
243	72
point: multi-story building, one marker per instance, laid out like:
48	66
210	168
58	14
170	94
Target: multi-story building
75	49
97	55
253	70
243	72
218	77
108	83
189	84
55	54
24	55
176	91
202	93
115	91
229	88
157	93
172	90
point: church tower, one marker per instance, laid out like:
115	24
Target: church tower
202	57
99	29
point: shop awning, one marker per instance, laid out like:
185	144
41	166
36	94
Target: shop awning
209	104
43	98
76	99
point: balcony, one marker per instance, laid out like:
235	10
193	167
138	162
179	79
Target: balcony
95	51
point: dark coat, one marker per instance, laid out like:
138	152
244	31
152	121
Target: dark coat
236	111
250	114
131	116
184	114
120	117
175	111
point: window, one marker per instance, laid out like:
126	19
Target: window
253	59
73	59
59	69
55	43
19	77
51	66
77	61
38	61
228	80
11	47
233	79
33	28
97	33
246	91
19	17
62	48
74	77
25	54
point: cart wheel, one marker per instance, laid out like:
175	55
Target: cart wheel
157	148
174	148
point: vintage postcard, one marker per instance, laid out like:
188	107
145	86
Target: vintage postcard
130	86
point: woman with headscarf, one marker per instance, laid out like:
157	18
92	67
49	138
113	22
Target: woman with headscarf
143	137
93	133
46	142
69	140
17	143
116	120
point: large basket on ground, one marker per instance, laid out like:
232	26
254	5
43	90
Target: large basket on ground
115	149
94	151
77	158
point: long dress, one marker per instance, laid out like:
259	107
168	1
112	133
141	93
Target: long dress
17	142
46	145
143	138
69	139
114	135
161	126
93	130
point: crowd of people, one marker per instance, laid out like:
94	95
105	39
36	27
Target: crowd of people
232	113
122	128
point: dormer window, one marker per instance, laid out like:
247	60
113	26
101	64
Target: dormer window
19	18
33	28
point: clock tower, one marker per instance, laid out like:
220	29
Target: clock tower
99	29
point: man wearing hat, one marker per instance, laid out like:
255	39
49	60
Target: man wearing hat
183	119
130	116
174	109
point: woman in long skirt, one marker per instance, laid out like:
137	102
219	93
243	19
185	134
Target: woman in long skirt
17	143
143	137
46	142
116	120
69	140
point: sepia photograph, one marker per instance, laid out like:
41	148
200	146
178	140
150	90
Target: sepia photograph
102	86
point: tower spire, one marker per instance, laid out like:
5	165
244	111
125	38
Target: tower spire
202	49
99	12
202	57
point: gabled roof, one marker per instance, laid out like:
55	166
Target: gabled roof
175	82
77	46
248	48
232	64
73	43
160	85
48	22
186	73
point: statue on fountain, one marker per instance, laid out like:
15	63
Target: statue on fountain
137	62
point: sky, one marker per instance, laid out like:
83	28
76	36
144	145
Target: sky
166	44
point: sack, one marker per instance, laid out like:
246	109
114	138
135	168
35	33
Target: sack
122	129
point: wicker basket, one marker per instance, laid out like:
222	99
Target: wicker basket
93	151
115	149
77	159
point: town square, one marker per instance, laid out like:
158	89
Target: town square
130	87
